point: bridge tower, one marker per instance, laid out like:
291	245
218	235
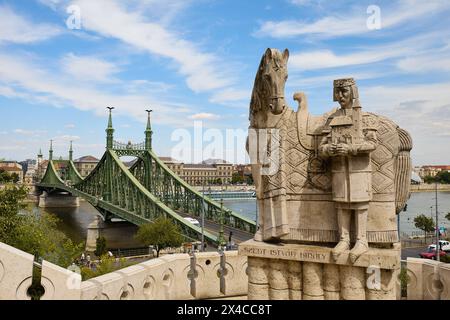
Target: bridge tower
109	130
50	152
148	132
71	152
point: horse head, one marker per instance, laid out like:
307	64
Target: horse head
268	90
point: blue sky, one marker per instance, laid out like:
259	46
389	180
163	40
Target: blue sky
196	61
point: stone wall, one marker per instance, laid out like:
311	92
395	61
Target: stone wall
431	187
428	279
179	276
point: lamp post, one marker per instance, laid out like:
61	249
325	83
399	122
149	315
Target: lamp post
203	217
438	249
221	239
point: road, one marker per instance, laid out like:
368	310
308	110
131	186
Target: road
412	252
238	236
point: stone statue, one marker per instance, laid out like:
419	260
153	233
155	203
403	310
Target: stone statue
299	201
349	145
328	187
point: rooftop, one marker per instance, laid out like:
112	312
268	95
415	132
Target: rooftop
87	159
169	159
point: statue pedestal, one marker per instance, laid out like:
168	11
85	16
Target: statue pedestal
308	272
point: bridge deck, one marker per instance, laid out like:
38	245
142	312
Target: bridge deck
238	235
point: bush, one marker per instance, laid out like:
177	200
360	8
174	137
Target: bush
100	247
105	265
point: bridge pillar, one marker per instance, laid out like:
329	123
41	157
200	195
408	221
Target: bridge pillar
58	201
94	231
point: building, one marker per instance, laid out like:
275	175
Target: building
174	165
432	171
12	167
242	170
211	171
86	164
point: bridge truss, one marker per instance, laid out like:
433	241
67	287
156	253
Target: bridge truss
145	191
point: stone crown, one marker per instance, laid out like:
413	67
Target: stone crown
339	83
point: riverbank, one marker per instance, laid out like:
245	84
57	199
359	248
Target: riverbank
226	188
429	187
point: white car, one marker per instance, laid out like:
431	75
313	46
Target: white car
445	245
193	221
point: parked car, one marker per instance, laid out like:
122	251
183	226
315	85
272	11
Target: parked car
431	254
193	221
444	244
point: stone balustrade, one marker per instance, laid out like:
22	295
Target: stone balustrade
205	275
428	279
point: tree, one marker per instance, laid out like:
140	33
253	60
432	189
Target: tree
428	179
36	234
100	247
447	216
237	178
443	177
162	233
424	223
15	177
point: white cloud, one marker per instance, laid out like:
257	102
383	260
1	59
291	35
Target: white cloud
322	59
88	68
301	2
204	116
230	95
17	29
428	62
352	23
63	139
70	126
34	133
302	82
422	109
111	19
45	86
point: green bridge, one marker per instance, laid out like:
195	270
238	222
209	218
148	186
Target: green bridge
145	191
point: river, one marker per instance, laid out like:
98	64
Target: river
74	221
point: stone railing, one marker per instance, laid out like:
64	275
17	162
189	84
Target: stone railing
205	275
428	279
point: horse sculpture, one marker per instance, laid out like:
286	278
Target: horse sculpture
295	202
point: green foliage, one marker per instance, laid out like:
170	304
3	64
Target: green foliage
6	177
445	259
36	234
441	177
100	247
404	279
447	216
237	178
15	177
105	265
424	223
11	200
162	233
